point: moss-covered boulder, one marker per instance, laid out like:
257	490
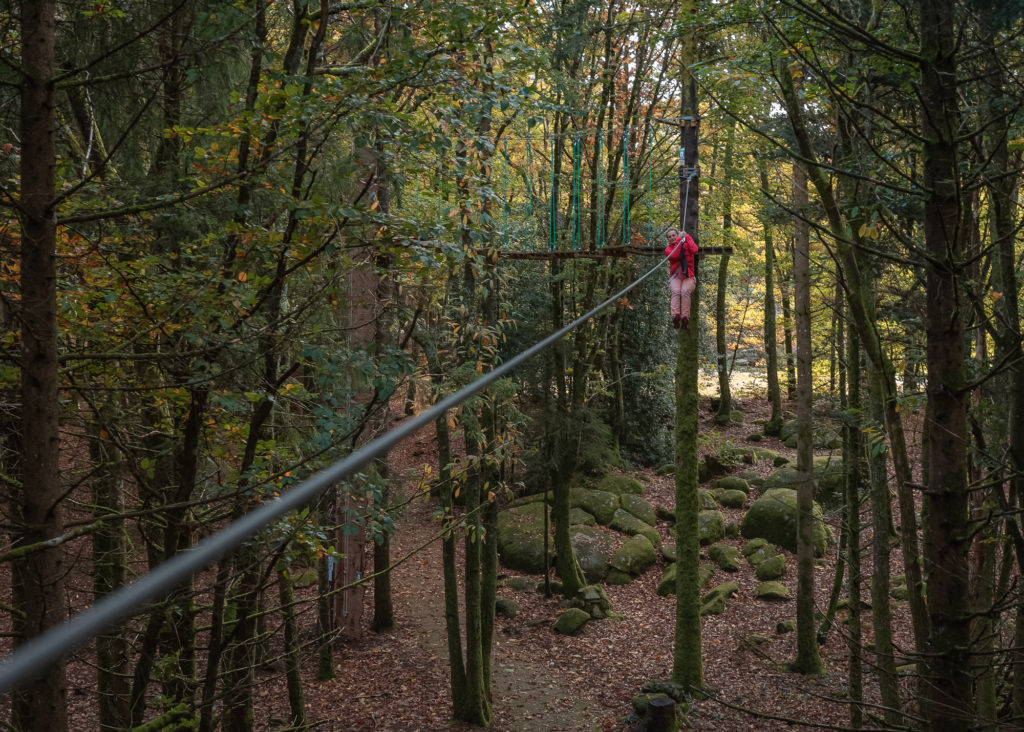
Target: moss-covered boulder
732	530
617	577
666	469
771	569
579	517
620	485
667	585
627	523
732	499
665	513
710	526
753	545
761	555
593	600
520	584
732	483
772	591
785	626
521	538
706	500
599	504
824	435
773	517
713	466
758	455
633	557
639	508
593	548
725	556
828	479
531	498
571	621
828	472
713	603
668	550
506	607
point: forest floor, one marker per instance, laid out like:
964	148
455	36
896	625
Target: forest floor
544	681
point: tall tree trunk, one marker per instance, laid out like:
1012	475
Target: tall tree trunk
948	658
724	392
807	659
456	665
109	557
849	376
871	344
771	346
687	665
881	607
787	333
292	655
40	575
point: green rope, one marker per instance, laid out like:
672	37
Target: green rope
529	195
600	194
552	203
625	193
576	233
504	225
650	184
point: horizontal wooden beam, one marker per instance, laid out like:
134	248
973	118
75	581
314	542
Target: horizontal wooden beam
603	253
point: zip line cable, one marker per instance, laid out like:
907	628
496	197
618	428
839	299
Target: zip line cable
35	655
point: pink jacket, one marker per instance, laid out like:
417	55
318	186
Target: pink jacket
675	251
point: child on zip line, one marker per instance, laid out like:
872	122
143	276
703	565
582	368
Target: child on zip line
680	250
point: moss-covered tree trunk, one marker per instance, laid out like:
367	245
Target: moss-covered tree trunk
870	340
687	660
808	659
292	649
787	333
110	568
849	390
721	361
771	346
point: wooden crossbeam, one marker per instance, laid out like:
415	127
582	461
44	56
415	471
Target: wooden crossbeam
604	252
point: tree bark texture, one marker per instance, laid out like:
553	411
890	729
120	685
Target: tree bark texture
948	650
687	659
41	574
808	659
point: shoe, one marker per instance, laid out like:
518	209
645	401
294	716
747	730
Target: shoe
684	323
675	322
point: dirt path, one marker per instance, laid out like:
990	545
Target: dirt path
543	681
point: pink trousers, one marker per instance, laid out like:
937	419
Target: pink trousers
679	295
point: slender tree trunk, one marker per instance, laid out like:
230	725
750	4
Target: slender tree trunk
871	343
881	607
109	556
808	659
456	665
787	336
946	498
292	655
687	664
724	393
771	346
40	574
849	373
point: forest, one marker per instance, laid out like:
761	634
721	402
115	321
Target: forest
339	387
